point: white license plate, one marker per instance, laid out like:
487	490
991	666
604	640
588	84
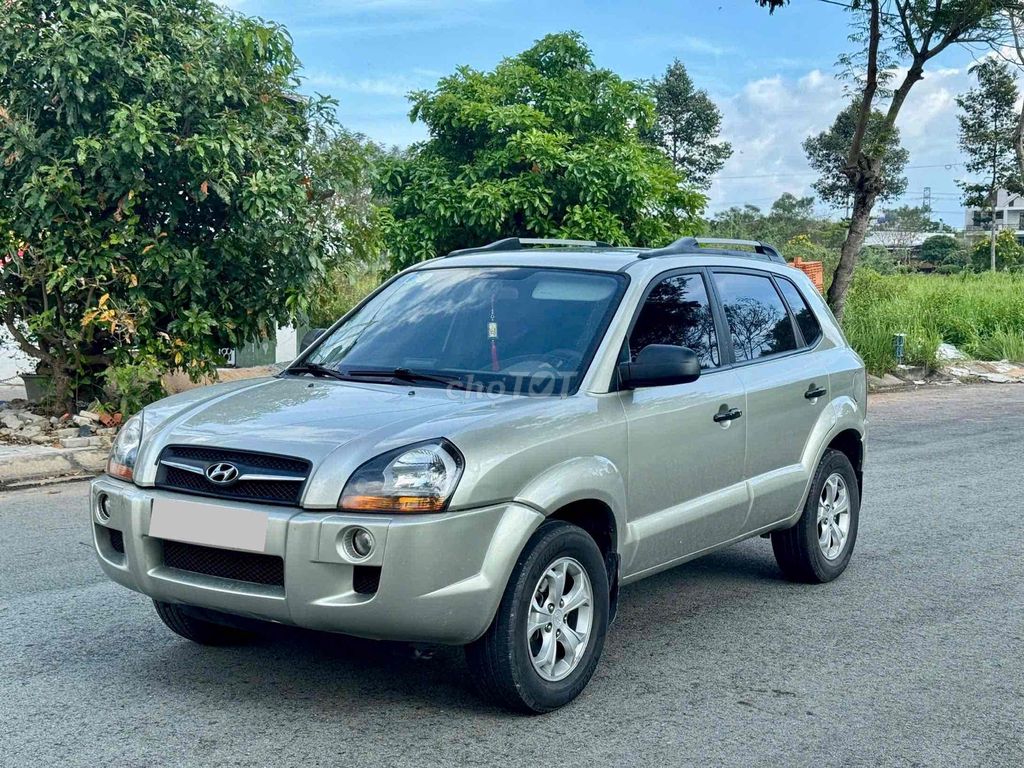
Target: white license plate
212	525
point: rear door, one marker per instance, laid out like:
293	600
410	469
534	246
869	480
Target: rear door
685	475
772	340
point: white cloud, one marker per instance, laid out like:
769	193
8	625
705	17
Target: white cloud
387	85
768	120
680	43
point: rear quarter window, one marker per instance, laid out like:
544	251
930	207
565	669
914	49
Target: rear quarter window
809	326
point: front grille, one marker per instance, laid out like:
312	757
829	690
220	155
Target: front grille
287	492
116	540
225	563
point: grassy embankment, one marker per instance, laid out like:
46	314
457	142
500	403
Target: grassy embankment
981	314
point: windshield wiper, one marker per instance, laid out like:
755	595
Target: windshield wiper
407	374
317	370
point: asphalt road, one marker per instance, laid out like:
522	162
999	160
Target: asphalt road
913	657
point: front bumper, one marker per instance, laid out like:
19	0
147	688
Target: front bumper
441	576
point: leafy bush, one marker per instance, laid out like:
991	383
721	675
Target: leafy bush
982	314
163	184
1009	252
943	250
342	289
879	259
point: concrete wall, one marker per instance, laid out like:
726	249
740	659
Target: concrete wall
12	360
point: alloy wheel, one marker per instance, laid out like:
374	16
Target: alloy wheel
560	620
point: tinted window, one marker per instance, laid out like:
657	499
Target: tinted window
677	312
804	317
758	320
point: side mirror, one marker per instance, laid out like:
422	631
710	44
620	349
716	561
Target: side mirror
658	365
309	337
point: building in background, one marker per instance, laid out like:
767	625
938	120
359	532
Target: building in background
1009	214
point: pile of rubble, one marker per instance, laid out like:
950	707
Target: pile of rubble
998	371
20	425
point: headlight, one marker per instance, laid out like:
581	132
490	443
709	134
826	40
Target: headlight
416	478
126	449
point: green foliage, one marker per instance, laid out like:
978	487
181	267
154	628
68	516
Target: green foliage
1009	252
879	259
943	249
132	385
545	145
162	183
1001	344
789	217
977	313
988	119
827	154
687	126
342	289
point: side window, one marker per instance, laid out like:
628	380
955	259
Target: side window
759	322
804	316
678	312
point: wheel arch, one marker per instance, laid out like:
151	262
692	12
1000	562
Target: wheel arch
596	518
851	443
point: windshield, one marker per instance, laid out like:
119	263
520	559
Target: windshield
515	329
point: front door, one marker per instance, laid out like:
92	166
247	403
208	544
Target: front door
686	442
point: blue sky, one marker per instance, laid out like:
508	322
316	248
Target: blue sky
772	77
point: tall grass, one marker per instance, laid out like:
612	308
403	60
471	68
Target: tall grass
981	314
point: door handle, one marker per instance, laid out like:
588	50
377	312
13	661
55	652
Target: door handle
732	413
813	392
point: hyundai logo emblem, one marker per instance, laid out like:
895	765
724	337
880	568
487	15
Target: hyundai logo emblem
222	473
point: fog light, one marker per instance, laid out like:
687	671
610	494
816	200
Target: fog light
362	542
103	507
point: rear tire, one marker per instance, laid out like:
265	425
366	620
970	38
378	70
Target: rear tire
517	669
818	548
179	621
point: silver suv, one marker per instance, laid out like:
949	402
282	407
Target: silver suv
491	444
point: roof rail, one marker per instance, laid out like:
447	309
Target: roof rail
518	243
685	245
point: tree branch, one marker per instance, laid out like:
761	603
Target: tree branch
870	87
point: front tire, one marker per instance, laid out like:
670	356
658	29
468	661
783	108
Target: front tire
545	641
179	621
818	548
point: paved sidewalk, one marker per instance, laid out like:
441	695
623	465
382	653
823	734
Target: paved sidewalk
26	465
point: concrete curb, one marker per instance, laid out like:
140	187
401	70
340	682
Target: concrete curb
23	466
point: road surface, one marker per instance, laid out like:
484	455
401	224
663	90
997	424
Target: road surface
913	657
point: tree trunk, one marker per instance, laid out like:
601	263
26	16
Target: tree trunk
863	202
992	237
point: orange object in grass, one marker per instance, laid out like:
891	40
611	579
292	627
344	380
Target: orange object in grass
813	269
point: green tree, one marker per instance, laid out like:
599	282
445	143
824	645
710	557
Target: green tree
544	145
898	39
943	249
826	154
688	126
988	122
1009	252
788	218
161	181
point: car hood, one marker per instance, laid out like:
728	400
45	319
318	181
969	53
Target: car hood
339	425
307	417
